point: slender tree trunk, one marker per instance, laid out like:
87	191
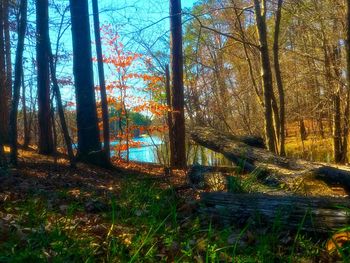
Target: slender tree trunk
302	129
60	110
89	145
25	119
250	66
337	136
17	82
276	119
3	88
281	131
333	73
8	51
101	75
260	14
347	106
178	125
169	117
44	109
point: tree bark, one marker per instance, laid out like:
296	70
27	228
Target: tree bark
243	151
3	87
60	109
89	145
311	214
279	82
17	81
101	75
251	158
169	117
26	129
8	51
177	87
260	14
42	54
344	156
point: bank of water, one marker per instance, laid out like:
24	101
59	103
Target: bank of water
152	150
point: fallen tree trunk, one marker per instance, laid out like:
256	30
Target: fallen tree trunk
251	158
237	150
293	212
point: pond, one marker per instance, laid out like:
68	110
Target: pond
147	153
153	147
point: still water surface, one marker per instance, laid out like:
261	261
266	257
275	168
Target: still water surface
148	153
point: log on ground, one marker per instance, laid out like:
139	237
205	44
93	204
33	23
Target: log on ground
251	158
293	212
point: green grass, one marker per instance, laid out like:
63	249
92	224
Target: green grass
142	225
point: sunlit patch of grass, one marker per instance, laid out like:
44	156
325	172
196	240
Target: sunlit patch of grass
314	148
142	224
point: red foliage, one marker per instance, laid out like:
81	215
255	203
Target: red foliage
129	88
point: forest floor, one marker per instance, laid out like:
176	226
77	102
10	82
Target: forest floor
52	213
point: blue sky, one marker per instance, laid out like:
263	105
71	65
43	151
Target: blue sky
137	21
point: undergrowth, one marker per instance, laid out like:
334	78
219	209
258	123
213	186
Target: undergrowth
140	224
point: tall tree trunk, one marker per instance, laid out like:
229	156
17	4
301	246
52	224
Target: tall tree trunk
3	87
101	76
169	117
347	106
8	51
260	14
25	118
42	53
281	131
60	109
17	82
177	102
337	134
88	133
334	75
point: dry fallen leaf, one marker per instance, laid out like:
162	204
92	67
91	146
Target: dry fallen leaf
337	241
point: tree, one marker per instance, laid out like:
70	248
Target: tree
260	14
17	81
177	86
279	82
3	87
26	128
101	75
8	50
42	53
87	122
129	91
169	117
344	156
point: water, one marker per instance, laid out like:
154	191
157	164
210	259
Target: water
147	153
151	146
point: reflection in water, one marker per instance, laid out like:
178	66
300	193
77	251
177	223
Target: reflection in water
197	154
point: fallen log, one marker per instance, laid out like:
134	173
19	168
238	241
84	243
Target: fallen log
251	158
292	212
237	150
